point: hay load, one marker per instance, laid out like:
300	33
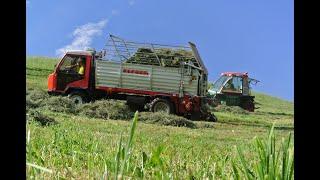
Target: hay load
162	56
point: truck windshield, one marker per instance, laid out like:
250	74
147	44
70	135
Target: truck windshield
218	84
68	62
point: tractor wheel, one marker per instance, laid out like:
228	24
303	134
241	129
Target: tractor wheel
78	97
213	118
161	105
248	105
210	117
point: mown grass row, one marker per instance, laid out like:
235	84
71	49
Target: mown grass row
38	100
113	109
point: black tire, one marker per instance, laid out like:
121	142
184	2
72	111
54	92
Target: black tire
195	116
213	118
78	97
163	105
210	117
248	105
135	107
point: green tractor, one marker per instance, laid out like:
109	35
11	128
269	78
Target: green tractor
233	89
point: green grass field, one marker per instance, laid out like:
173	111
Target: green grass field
85	148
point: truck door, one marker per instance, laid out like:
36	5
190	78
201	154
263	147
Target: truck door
71	69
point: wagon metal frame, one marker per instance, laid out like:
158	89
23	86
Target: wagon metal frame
120	50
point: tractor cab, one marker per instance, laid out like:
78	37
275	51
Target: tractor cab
233	89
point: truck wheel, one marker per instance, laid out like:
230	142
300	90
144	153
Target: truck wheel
161	105
78	97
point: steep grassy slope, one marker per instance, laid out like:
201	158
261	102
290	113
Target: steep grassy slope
82	147
38	69
273	105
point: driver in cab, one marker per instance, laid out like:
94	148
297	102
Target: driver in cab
79	66
229	86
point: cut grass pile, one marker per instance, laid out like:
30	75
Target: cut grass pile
104	109
165	119
230	109
34	98
40	99
59	104
37	116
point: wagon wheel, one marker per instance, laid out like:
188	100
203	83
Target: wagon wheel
161	105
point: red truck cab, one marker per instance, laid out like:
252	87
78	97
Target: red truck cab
65	79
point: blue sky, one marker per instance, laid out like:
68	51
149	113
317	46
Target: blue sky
231	35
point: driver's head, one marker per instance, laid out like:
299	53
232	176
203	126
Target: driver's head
81	61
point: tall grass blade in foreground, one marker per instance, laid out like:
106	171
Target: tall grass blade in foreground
118	157
287	159
268	165
124	153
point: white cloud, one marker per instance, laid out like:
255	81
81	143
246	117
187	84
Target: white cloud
132	2
83	36
114	12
